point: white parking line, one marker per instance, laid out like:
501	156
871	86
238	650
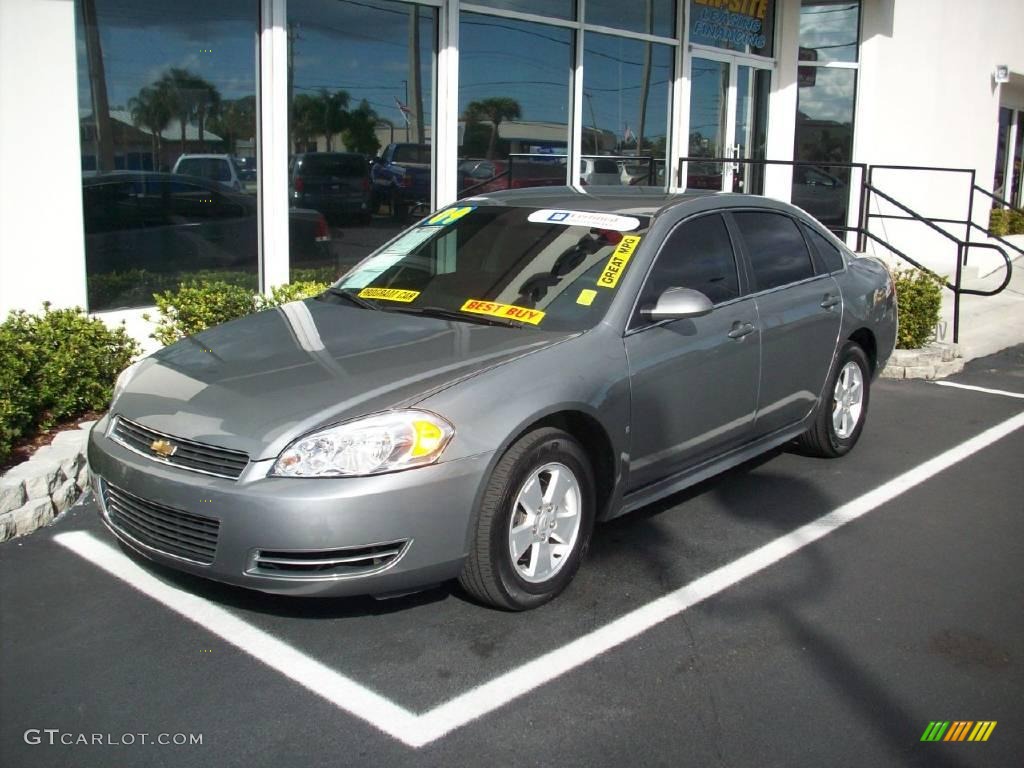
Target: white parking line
418	730
986	390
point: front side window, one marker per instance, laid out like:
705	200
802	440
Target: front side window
697	255
775	247
550	269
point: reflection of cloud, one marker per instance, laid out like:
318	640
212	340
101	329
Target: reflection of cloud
830	28
831	97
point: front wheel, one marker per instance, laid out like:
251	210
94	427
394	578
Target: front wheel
840	417
534	523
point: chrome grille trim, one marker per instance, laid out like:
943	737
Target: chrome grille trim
160	528
190	455
345	562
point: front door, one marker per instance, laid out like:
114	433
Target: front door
728	119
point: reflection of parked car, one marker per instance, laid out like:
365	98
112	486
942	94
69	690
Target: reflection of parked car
821	194
335	183
599	170
523	173
401	177
163	223
220	168
471	399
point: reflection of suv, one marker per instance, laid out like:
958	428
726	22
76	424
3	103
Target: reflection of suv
401	177
599	170
335	183
220	168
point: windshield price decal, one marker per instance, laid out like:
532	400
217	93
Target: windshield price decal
388	294
450	216
506	311
617	263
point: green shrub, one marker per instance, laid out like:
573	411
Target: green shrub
136	287
290	292
1016	222
919	298
999	222
55	366
314	275
196	306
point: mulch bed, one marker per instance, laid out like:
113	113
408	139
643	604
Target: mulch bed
27	446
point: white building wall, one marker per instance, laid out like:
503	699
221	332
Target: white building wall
927	96
42	253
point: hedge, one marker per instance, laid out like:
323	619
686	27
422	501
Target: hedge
919	299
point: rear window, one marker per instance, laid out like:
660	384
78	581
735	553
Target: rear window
214	168
605	166
334	165
412	153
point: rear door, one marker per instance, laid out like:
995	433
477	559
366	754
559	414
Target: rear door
693	381
800	313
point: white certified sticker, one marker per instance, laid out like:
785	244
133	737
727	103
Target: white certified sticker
585	219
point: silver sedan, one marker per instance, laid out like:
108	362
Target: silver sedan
472	398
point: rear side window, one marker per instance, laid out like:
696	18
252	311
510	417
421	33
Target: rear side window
698	255
777	251
213	168
605	166
341	166
830	257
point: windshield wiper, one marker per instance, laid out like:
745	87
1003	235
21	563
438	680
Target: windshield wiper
335	291
451	314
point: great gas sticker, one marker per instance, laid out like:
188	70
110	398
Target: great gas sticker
388	294
449	216
617	263
506	311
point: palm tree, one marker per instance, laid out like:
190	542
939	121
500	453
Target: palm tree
236	119
494	111
360	132
191	97
332	113
151	110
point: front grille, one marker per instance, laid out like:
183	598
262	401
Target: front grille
350	561
165	529
197	457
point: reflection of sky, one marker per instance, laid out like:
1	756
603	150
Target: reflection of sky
831	29
707	99
831	97
612	83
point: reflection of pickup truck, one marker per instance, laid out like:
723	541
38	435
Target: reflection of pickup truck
401	177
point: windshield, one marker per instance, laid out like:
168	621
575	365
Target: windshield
411	153
551	269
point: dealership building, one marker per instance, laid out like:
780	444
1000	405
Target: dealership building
100	98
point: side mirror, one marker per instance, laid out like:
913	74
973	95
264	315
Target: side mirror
677	304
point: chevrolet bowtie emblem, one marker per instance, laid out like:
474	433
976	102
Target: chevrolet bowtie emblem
164	448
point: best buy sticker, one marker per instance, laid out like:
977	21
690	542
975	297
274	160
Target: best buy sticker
388	294
450	216
617	263
506	311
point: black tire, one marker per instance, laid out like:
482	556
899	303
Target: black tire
821	438
489	575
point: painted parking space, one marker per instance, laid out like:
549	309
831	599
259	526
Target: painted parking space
419	654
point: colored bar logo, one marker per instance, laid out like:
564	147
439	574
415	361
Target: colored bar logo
958	730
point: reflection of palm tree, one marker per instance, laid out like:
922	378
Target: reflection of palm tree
493	110
324	114
360	129
191	98
235	120
151	109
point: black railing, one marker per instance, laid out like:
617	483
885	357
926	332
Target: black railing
864	216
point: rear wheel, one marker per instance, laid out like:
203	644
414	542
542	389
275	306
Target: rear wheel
534	523
840	417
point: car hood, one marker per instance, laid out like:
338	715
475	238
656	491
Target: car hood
257	383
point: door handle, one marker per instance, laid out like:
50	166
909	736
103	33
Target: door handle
829	301
739	330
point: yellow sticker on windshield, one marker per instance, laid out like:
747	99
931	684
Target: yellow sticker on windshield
450	216
586	297
388	294
507	311
617	263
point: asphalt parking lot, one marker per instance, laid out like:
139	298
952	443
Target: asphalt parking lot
791	612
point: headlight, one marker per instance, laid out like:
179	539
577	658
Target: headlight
384	442
122	381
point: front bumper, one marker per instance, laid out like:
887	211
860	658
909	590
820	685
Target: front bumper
426	511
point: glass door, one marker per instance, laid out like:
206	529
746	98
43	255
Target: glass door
728	119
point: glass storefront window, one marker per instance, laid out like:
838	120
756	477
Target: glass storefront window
559	9
167	116
709	93
625	107
828	31
514	99
654	17
824	134
749	28
360	123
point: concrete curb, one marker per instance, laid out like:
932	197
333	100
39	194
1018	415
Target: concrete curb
34	492
935	361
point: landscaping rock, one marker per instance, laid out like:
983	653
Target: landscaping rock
65	496
6	526
41	477
85	426
69	455
35	514
12	494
